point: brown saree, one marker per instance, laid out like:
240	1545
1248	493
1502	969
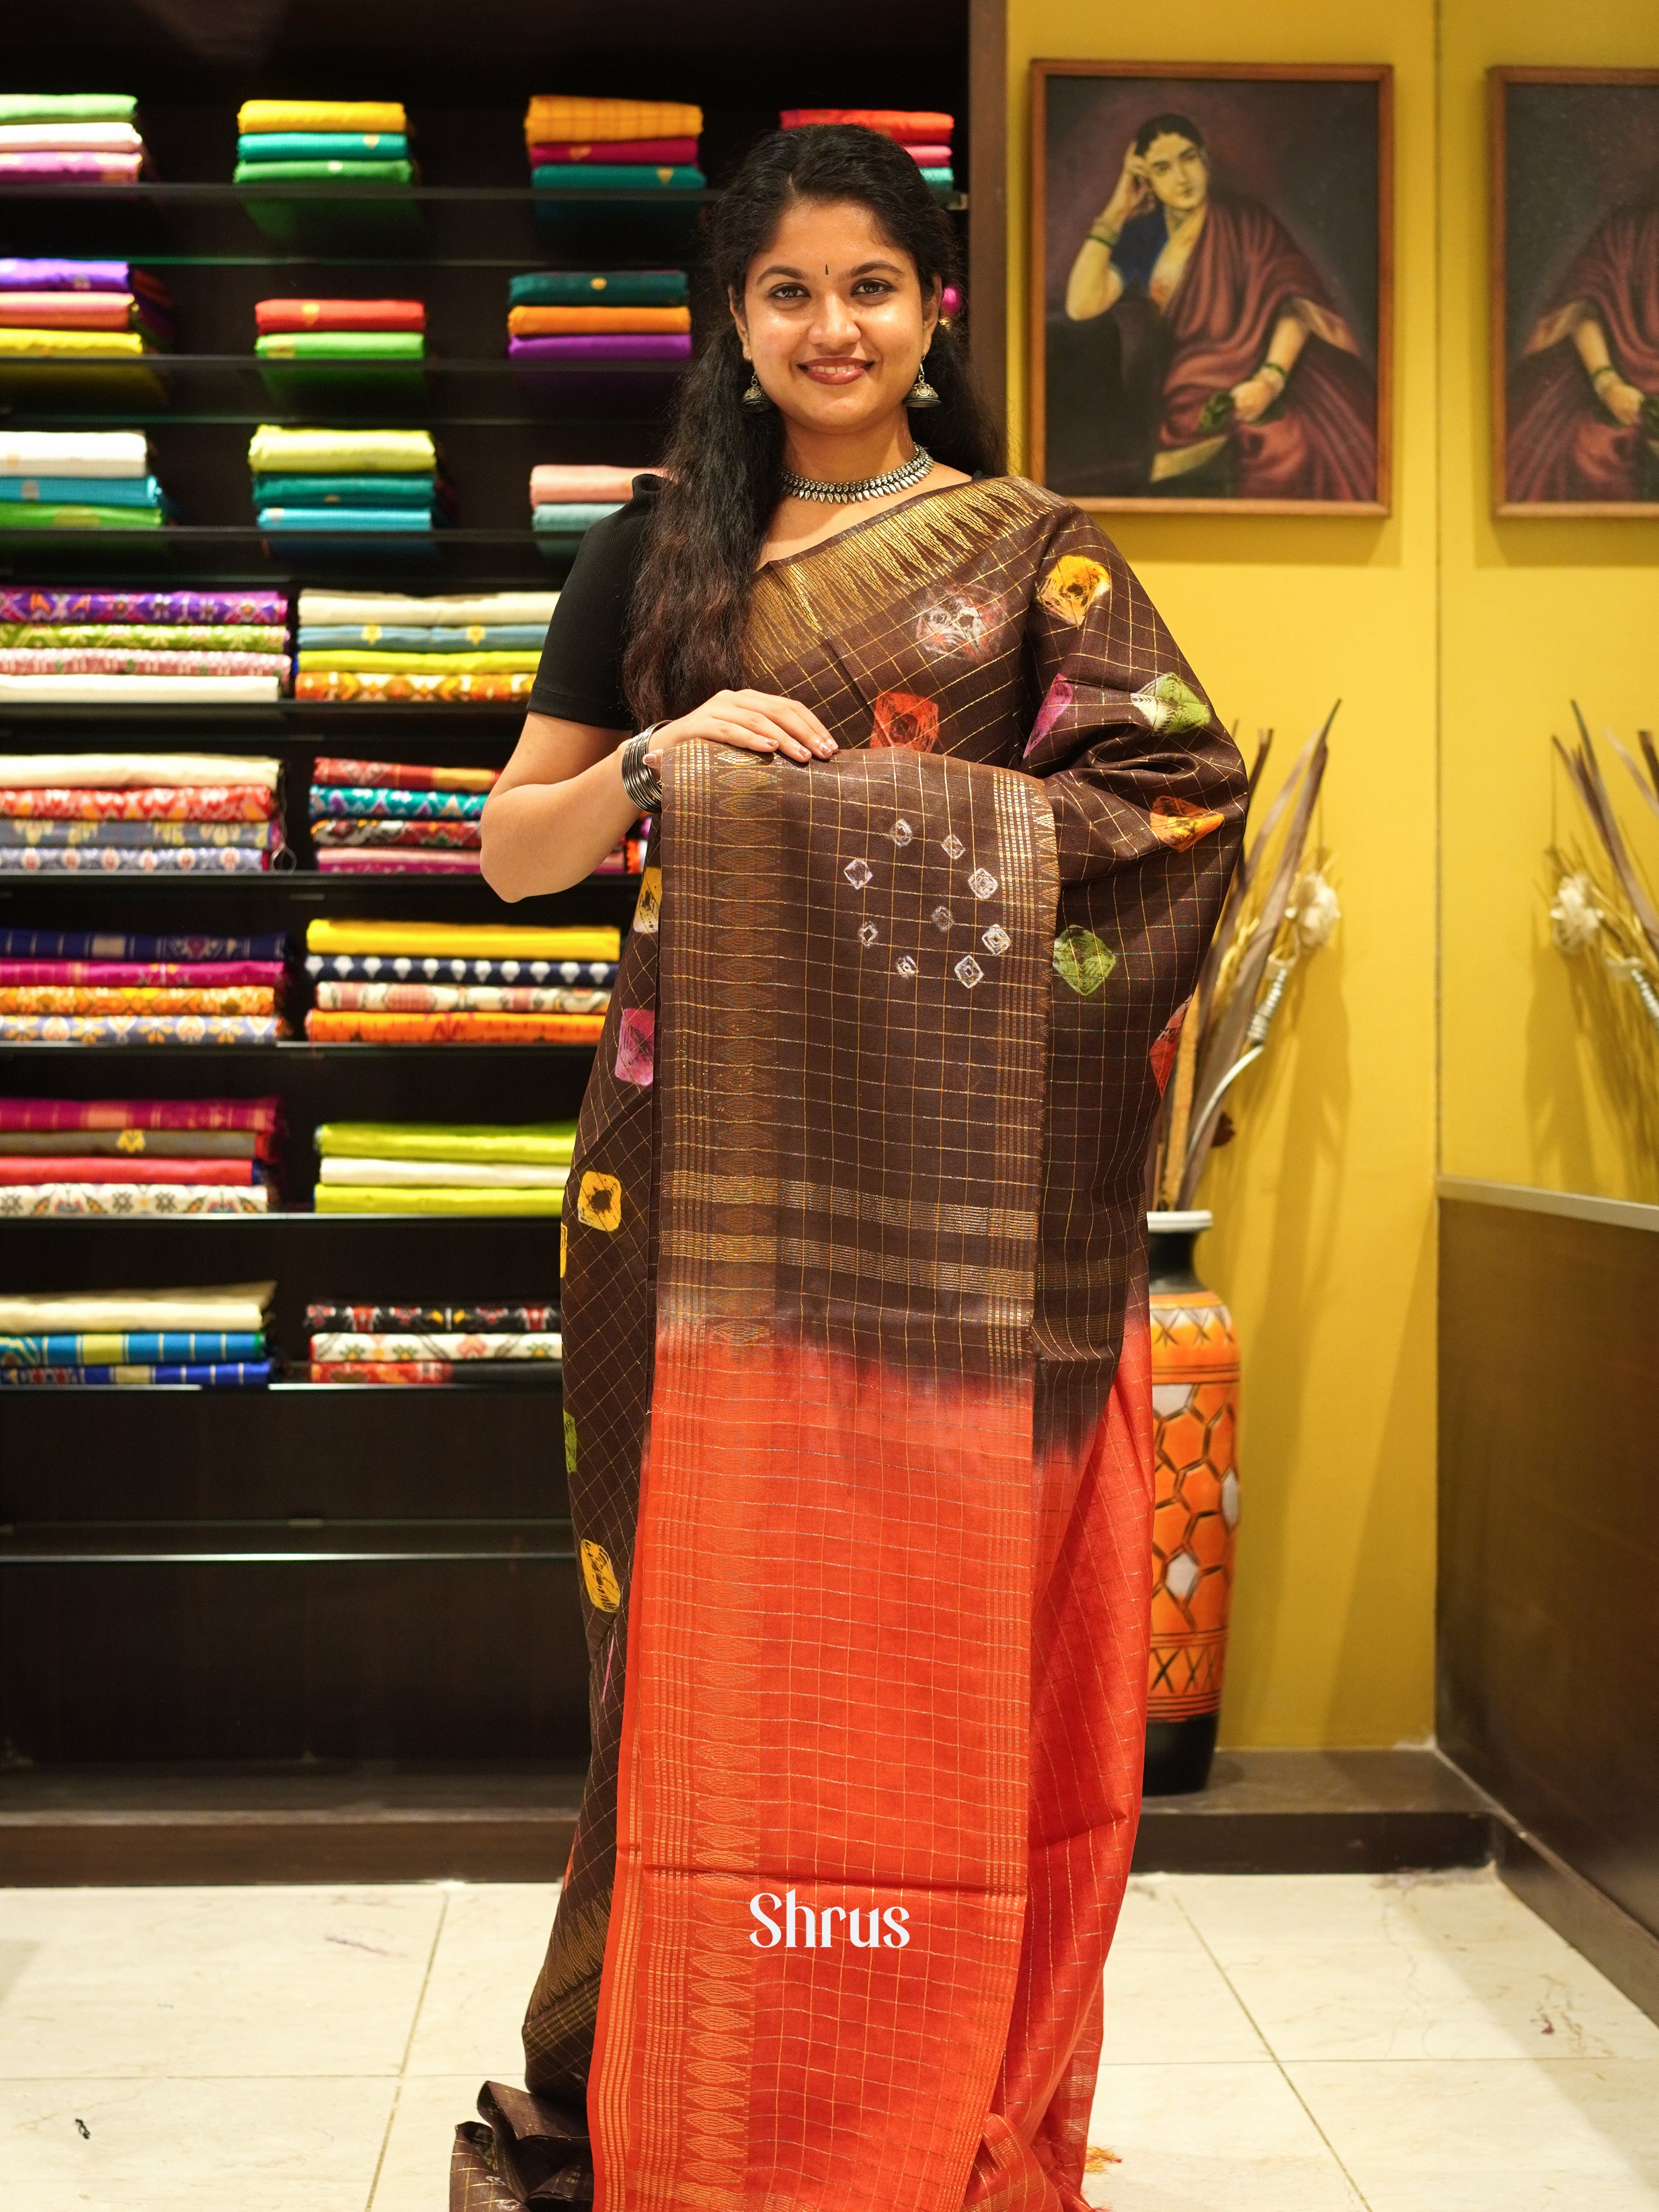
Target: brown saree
858	1420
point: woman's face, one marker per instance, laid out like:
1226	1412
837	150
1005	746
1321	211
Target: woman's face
1178	172
833	318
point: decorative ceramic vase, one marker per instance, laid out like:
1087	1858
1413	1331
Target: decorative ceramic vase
1194	1424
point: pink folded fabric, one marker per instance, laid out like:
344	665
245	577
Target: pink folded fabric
649	150
138	974
556	483
71	168
390	860
65	311
930	157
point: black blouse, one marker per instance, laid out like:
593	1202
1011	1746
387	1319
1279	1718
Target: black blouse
580	678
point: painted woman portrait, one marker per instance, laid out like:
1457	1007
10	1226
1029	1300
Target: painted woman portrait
1582	386
1230	366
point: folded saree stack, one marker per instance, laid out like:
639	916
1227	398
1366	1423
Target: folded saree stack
372	988
517	1345
430	1167
316	481
208	1339
924	133
396	817
172	814
139	1157
566	502
139	649
382	645
98	986
70	138
562	316
80	311
577	144
77	479
313	141
353	351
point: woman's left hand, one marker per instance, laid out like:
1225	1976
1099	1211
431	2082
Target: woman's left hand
1252	399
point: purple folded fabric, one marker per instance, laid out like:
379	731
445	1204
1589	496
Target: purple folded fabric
389	861
49	603
620	345
90	168
50	276
197	975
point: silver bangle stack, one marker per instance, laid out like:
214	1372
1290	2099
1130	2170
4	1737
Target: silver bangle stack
642	784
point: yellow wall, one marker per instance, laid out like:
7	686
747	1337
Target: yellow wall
1535	614
1455	644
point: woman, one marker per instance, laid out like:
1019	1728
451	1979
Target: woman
860	1484
1264	394
1584	401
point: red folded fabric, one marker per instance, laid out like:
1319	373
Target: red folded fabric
340	314
910	126
106	1167
651	150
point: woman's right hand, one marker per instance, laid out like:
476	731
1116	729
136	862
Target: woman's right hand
1131	196
755	721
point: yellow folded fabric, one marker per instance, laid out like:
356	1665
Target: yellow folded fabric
477	941
320	115
433	1198
549	322
555	119
109	346
275	451
370	663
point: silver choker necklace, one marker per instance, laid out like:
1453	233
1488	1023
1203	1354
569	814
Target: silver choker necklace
898	479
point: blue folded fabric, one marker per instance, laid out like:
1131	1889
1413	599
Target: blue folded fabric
616	177
84	491
569	519
323	146
191	1347
494	637
375	519
227	1374
413	490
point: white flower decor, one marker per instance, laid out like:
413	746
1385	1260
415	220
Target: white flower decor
1575	918
1317	912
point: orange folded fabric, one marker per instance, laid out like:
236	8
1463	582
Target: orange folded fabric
547	322
560	483
340	314
555	118
323	1027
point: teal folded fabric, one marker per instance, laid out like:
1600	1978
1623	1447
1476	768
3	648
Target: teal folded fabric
616	177
569	520
938	176
324	173
84	491
267	146
599	287
481	637
344	491
377	520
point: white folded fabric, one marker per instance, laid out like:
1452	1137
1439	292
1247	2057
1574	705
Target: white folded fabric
74	453
449	1173
348	609
420	1344
70	138
238	1309
131	771
144	690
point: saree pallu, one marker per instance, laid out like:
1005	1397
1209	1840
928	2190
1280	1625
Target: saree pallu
856	1399
148	1200
140	999
37	603
141	1029
534	1319
324	1028
345	684
402	776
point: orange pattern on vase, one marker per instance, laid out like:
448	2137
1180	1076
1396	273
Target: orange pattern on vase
1195	1517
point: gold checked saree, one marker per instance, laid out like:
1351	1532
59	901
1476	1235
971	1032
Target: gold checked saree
857	1417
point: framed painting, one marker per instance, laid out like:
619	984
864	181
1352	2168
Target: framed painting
1211	286
1575	295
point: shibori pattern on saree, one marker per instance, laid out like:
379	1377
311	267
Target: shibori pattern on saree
978	883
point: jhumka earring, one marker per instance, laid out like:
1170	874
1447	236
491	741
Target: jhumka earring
921	393
755	397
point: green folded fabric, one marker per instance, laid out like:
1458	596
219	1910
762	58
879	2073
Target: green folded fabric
341	345
589	288
37	514
416	1197
278	452
324	173
546	1144
66	107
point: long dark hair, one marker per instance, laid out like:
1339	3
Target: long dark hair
725	460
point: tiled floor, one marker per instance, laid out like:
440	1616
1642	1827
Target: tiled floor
1272	2044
